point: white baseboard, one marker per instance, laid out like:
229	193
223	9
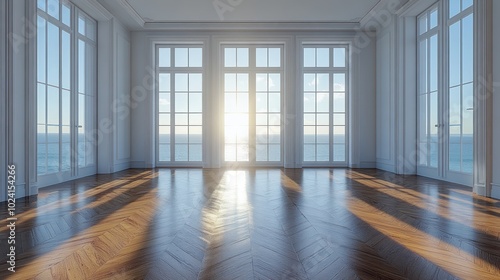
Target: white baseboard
367	164
121	166
495	191
386	167
480	190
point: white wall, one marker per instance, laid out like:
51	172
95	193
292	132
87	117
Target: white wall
142	101
385	100
113	109
365	111
496	100
3	101
122	97
143	110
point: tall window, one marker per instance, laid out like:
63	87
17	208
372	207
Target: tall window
446	90
180	88
325	80
60	96
428	87
460	25
252	101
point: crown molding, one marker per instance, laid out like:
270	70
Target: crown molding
253	26
131	12
94	8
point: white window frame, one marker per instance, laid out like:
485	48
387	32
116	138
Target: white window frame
348	97
172	70
75	171
442	170
252	71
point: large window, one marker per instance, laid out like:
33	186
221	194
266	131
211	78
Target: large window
252	79
446	89
325	85
180	110
66	52
460	26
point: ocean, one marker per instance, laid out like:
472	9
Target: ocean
48	151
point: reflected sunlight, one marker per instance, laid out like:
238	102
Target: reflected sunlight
443	254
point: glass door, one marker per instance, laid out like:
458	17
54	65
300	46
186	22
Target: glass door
252	79
66	86
446	91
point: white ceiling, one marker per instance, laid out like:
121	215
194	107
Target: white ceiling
172	11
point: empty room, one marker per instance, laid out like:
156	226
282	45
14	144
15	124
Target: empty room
250	139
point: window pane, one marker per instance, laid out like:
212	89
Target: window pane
181	57
261	57
65	107
274	57
164	82
339	57
164	134
164	57
53	54
164	152
309	57
195	82
181	152
274	82
322	82
339	102
181	82
339	152
339	82
181	102
41	4
81	66
422	24
41	49
242	57
309	102
66	14
323	152
195	57
66	60
53	106
467	49
195	153
195	102
309	82
309	152
230	57
466	4
322	57
164	102
41	103
323	102
422	65
454	7
433	19
52	158
455	56
53	8
81	25
433	67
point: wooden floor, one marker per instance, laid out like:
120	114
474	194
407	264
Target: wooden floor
255	224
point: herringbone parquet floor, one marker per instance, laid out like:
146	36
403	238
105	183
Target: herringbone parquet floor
255	224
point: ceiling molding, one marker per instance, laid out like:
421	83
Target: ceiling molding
379	6
132	12
414	7
384	6
253	26
94	8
